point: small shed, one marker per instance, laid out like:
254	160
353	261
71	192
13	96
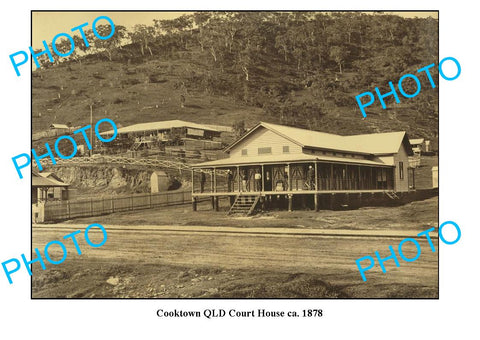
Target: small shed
418	145
434	176
159	182
47	186
59	129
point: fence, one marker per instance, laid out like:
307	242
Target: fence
50	133
414	162
121	161
54	211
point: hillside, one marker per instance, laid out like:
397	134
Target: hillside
224	83
64	92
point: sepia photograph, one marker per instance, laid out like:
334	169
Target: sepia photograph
234	154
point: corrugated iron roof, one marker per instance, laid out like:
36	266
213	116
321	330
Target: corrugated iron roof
46	182
40	181
375	143
416	141
272	159
162	125
58	126
50	175
378	143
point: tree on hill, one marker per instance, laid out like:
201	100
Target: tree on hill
284	63
142	36
107	46
339	54
239	128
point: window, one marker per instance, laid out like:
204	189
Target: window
264	151
286	149
400	169
244	152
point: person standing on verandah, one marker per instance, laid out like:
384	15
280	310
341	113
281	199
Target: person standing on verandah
229	180
203	179
258	180
311	178
244	180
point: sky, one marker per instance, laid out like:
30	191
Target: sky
45	25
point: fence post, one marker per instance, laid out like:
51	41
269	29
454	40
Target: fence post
68	209
113	205
150	200
91	206
183	197
131	202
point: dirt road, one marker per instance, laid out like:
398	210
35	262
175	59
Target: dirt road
151	262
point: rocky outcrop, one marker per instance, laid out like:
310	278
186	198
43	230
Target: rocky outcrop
105	179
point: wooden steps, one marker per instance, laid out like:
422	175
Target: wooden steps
244	205
392	195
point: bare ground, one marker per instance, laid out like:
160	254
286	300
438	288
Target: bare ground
169	264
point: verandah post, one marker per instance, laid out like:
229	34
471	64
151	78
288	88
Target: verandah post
193	184
331	186
315	197
211	180
360	182
263	179
289	178
214	180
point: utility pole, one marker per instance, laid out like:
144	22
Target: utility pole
91	129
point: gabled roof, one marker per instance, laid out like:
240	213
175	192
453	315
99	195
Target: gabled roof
416	141
58	126
381	143
162	125
40	181
373	144
51	175
272	159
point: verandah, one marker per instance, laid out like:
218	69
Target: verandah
304	176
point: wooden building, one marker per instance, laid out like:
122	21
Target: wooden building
165	131
418	145
47	186
58	130
170	136
275	160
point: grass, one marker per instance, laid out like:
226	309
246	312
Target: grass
127	99
151	91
